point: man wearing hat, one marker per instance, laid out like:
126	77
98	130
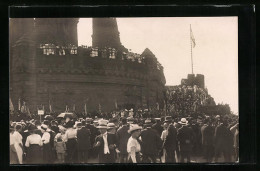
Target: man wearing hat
83	138
152	143
105	144
122	139
185	137
93	133
170	143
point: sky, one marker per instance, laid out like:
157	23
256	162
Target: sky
215	54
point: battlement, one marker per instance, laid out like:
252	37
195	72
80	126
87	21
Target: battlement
194	80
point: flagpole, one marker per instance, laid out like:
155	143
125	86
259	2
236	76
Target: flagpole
191	51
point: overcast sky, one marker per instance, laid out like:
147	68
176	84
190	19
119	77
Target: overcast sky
215	54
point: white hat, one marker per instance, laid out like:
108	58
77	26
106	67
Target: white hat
134	127
111	125
102	123
44	127
183	121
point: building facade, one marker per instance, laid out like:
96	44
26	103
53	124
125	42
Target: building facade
47	67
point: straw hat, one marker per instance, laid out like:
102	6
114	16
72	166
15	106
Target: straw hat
111	125
102	123
134	127
183	121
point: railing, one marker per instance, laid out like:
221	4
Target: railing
107	52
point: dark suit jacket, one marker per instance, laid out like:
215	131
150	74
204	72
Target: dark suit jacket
158	128
170	142
151	142
93	132
207	135
122	139
111	139
185	138
83	138
223	138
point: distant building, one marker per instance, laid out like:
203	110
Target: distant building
192	80
48	67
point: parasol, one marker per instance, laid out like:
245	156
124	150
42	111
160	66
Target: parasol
66	114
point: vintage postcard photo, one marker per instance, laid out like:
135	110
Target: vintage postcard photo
123	90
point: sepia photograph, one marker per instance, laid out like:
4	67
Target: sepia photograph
123	90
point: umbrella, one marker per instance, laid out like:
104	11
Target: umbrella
64	115
49	117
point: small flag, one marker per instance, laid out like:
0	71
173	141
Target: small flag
50	106
116	104
192	38
99	108
74	108
85	109
19	104
11	106
66	109
157	106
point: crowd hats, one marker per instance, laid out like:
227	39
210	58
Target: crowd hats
148	122
102	123
44	127
32	127
134	127
168	119
88	120
165	125
69	124
111	125
183	121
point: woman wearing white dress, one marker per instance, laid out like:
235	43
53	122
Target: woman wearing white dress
18	144
133	144
13	154
34	143
163	137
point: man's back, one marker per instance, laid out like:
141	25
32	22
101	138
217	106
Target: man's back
151	141
83	137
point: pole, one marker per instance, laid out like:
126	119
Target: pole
191	51
41	119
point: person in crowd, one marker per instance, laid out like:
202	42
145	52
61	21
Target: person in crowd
223	141
157	126
163	137
207	132
13	153
170	141
185	137
84	145
71	142
152	143
34	146
122	139
105	144
134	144
93	134
47	151
111	128
18	143
60	147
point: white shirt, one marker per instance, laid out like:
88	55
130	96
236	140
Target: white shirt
33	139
164	134
46	137
70	133
106	149
133	143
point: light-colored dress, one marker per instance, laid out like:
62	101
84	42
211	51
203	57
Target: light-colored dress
18	140
163	137
132	142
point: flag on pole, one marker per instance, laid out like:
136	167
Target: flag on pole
116	104
99	108
50	108
192	38
85	109
11	106
66	109
23	108
74	108
19	104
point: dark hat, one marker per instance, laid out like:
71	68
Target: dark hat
31	127
69	124
168	119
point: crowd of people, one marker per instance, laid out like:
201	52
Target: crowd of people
124	140
184	99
